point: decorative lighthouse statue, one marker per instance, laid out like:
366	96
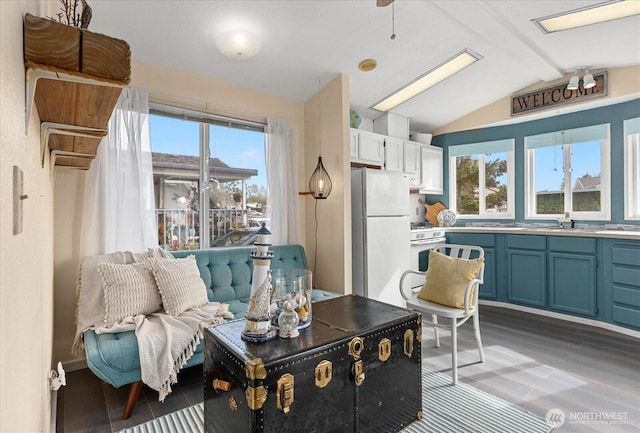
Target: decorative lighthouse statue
258	322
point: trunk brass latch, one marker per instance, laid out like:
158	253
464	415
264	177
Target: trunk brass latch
323	373
355	347
408	342
384	349
358	372
284	393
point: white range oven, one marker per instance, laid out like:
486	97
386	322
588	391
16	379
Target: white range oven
423	237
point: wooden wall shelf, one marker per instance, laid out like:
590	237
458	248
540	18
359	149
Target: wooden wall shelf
75	78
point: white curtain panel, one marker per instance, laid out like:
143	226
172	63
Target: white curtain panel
119	206
282	182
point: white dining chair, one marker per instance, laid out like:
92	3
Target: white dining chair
456	316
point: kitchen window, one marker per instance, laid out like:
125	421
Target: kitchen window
481	176
568	171
632	169
209	177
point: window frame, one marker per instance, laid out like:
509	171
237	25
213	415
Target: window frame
482	213
605	180
204	120
631	169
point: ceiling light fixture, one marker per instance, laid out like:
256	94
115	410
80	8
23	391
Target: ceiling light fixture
587	80
431	78
320	182
590	15
238	44
574	82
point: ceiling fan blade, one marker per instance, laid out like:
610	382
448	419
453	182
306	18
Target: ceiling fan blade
383	3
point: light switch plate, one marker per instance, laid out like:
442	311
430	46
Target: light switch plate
17	199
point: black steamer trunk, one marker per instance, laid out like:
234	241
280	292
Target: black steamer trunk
357	368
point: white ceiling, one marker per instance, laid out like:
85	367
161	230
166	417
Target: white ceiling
309	40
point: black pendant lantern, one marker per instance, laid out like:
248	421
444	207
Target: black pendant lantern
320	182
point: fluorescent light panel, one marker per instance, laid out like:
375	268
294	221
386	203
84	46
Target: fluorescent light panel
429	79
587	16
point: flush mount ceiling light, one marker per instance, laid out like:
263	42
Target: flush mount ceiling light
599	13
429	79
238	44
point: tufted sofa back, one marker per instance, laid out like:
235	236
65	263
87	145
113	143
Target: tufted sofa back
227	271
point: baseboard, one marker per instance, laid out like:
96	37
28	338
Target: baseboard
565	317
76	364
53	412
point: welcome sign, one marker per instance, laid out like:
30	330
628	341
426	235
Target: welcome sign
558	95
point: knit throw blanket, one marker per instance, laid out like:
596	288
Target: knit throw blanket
167	342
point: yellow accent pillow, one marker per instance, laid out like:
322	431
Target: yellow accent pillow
447	278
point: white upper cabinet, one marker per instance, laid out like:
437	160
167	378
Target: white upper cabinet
411	158
421	164
431	181
353	139
369	148
393	154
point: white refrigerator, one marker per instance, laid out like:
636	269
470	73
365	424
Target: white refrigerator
380	233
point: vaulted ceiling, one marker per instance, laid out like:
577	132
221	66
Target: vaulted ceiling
310	40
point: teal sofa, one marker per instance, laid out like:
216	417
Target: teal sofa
226	273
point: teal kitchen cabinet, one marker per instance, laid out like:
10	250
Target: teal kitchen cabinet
591	277
489	289
621	282
572	275
527	270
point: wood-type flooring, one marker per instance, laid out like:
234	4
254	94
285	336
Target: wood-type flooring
588	375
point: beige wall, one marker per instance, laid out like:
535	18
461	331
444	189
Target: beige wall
623	83
333	266
171	86
68	196
26	259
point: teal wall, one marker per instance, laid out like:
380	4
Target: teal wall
614	114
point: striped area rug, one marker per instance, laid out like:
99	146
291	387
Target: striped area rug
446	409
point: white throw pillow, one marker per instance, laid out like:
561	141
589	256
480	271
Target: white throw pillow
129	290
179	284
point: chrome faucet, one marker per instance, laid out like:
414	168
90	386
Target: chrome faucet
567	221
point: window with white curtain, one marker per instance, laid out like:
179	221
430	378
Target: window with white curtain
568	171
632	169
481	179
210	178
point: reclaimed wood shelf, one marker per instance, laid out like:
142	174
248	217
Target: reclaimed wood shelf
74	77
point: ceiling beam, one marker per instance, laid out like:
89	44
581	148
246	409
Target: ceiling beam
489	25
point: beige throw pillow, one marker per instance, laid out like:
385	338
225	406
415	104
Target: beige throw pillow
179	284
447	278
129	290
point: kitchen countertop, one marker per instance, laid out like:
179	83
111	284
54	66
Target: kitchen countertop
552	231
